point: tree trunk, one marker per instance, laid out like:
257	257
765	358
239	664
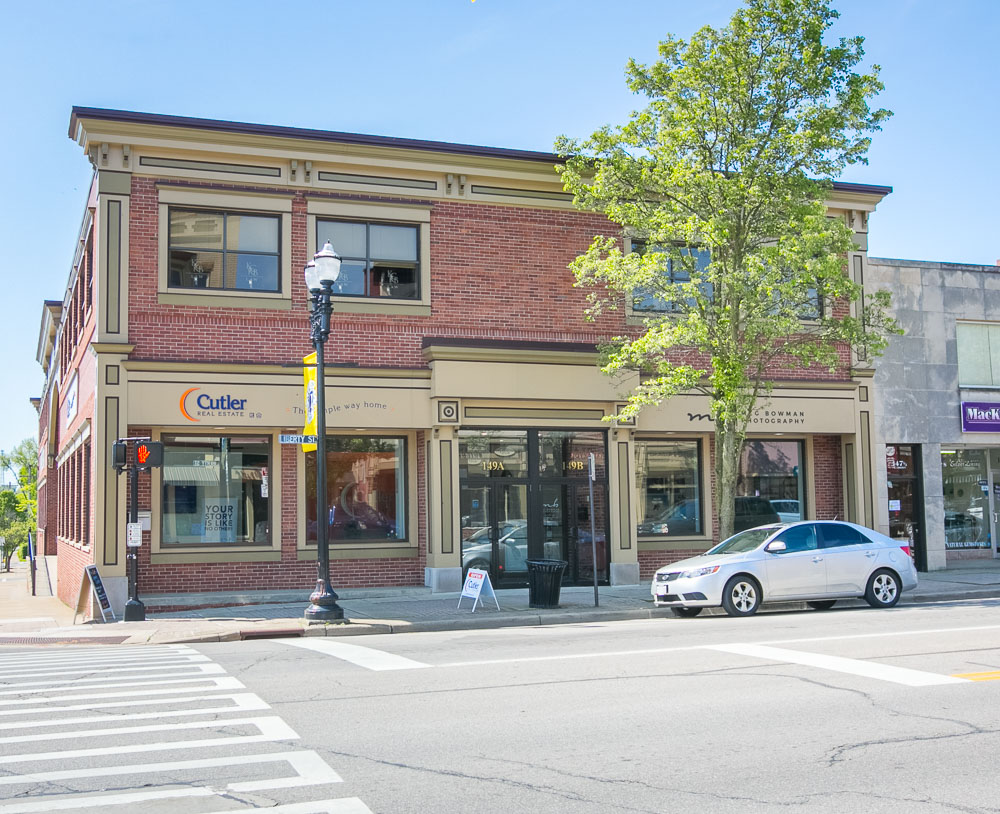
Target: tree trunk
727	467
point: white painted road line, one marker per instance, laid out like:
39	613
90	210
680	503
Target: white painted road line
310	770
271	729
223	683
110	705
203	674
867	669
343	805
242	702
96	670
73	655
75	734
366	657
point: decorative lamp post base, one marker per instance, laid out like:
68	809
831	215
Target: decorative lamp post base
135	611
324	607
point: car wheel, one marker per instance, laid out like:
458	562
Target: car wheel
822	604
686	613
741	596
883	589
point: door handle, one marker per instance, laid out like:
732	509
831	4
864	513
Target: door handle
870	554
817	559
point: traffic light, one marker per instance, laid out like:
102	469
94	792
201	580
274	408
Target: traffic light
149	454
119	455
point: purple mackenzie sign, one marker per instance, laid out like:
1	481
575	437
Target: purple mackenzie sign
980	416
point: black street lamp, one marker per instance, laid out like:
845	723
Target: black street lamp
321	274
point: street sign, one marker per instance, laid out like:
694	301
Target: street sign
133	535
297	439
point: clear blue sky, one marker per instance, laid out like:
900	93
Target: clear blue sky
508	73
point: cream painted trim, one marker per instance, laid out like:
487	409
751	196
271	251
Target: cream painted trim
412	213
419	216
459	353
81	435
119	348
412	520
224	199
228	553
242	555
223	299
196	199
188	368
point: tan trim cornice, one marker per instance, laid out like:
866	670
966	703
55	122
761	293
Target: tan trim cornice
95	131
111	347
446	353
283	370
863	372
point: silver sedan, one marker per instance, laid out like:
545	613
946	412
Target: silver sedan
816	561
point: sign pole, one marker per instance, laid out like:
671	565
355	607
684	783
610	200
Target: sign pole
593	535
135	611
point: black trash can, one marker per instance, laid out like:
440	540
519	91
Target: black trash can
544	581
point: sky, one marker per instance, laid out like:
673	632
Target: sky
502	73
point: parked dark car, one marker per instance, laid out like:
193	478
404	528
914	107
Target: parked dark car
684	520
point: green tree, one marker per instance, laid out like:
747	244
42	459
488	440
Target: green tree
19	509
723	177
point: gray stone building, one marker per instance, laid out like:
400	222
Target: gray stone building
937	410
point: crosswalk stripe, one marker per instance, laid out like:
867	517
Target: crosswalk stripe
367	657
91	670
342	805
66	685
310	768
242	702
103	655
220	683
202	673
882	672
272	729
73	734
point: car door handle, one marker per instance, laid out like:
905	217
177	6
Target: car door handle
870	554
817	559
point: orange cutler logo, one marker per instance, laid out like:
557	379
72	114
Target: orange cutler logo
183	404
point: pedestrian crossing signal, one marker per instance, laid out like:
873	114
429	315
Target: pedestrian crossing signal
149	454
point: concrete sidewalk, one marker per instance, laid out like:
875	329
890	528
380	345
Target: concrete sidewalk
45	620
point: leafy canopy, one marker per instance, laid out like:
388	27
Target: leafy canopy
732	161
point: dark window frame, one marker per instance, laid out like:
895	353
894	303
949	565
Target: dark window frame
405	486
703	521
171	438
368	260
223	250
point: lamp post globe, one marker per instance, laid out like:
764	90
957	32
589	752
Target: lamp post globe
320	275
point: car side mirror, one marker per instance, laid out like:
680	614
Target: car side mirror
776	546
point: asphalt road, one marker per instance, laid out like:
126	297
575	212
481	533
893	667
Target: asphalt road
837	711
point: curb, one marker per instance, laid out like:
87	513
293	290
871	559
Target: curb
286	628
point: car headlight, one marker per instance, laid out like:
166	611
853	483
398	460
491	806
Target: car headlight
700	572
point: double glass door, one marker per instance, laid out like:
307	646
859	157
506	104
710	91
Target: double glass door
525	495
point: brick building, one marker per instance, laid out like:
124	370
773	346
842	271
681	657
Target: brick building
463	397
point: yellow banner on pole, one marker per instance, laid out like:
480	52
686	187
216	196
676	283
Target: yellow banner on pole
309	376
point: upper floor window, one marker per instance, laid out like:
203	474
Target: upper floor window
676	271
379	259
978	354
224	250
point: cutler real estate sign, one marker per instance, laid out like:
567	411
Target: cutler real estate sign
980	416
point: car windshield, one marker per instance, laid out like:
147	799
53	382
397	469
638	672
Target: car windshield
744	541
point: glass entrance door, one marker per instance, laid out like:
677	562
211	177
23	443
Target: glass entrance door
495	530
524	496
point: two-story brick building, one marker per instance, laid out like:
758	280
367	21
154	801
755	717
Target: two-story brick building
463	396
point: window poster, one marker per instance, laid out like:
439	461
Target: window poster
218	521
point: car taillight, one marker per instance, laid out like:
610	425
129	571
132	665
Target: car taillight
905	549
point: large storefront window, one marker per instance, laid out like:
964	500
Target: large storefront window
366	489
668	487
215	491
770	486
966	494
